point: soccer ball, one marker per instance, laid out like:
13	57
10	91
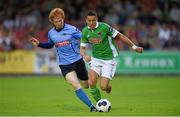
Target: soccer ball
103	105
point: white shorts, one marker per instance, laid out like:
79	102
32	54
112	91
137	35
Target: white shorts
104	68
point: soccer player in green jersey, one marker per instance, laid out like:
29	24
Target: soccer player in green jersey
102	63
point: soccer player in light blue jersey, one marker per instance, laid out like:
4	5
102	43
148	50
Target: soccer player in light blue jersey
66	39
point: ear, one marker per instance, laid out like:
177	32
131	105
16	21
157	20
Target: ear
96	18
86	20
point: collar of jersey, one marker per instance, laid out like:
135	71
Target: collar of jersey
58	30
97	24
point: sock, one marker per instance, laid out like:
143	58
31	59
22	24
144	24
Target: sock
83	97
96	93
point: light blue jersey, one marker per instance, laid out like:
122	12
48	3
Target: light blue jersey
67	43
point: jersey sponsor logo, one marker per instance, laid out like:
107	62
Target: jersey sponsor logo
95	40
63	43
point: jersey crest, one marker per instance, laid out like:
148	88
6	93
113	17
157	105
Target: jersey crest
99	34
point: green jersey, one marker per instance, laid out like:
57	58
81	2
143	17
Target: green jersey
101	39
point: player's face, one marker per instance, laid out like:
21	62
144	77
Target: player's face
58	22
91	21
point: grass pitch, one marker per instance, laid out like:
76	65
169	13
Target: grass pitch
53	96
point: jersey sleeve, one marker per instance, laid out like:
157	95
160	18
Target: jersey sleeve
49	39
112	31
76	33
84	39
47	45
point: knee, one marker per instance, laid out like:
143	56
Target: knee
85	86
103	87
92	82
76	85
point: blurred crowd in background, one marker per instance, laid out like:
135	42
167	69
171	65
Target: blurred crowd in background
152	24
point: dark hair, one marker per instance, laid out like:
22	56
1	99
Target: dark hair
92	13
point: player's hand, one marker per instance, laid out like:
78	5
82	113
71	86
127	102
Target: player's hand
34	41
139	49
87	58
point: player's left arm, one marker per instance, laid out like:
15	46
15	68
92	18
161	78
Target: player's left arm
127	41
117	35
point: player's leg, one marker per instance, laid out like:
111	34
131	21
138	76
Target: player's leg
105	84
84	84
108	71
72	79
94	72
93	76
82	73
83	76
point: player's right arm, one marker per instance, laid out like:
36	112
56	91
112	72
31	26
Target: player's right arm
86	57
36	42
84	42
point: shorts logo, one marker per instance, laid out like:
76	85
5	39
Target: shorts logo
63	43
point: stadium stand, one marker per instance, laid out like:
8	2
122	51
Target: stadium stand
153	24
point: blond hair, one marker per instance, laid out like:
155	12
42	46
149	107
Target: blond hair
56	12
